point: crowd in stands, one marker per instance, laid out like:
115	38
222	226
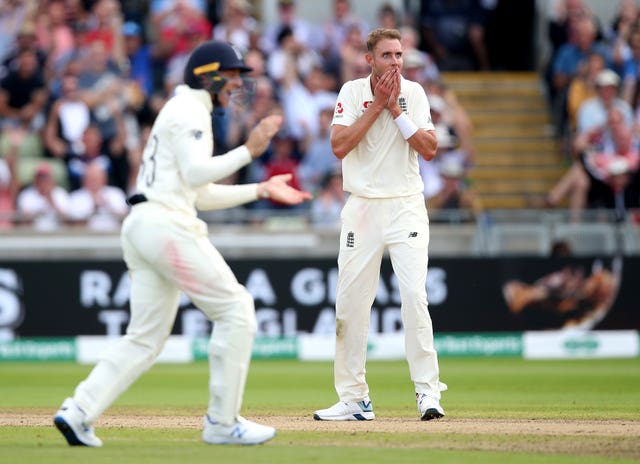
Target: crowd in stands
81	82
593	77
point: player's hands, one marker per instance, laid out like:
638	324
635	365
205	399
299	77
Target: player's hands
392	102
261	135
277	189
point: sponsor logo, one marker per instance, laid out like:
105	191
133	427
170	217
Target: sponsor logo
402	102
339	108
413	234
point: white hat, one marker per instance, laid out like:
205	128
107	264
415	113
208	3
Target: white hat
607	77
413	58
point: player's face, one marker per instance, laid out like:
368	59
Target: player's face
386	54
231	86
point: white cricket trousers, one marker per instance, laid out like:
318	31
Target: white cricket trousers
167	252
368	227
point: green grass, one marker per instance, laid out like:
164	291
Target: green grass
479	388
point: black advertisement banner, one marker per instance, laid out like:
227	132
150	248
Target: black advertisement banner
69	298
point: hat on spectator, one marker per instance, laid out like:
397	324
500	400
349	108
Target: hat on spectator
607	77
451	167
412	59
130	28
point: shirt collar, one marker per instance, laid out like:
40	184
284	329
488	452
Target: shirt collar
199	94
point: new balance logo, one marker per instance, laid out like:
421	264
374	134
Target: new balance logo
238	431
413	234
350	240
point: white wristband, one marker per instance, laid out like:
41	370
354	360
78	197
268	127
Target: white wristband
407	126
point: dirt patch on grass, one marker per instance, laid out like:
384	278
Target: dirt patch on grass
613	438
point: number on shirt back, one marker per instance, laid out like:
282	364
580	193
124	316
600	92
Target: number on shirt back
148	167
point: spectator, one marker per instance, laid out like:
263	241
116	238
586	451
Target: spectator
455	192
138	53
238	27
43	204
453	32
284	159
593	112
583	86
389	18
290	60
329	201
91	152
67	121
337	30
318	161
304	33
193	36
420	62
567	64
23	94
13	14
96	204
54	34
26	40
105	27
9	181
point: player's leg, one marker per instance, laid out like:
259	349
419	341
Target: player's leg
408	238
359	259
154	302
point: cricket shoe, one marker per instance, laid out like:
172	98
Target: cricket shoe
242	432
347	411
428	407
70	420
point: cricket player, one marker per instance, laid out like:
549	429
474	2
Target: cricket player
166	249
381	125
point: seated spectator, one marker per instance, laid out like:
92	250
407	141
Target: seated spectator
455	192
23	94
318	160
423	65
304	32
327	205
9	181
593	112
583	87
43	204
25	40
96	204
91	152
140	67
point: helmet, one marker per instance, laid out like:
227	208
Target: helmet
207	59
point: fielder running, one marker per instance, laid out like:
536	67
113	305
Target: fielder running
167	249
381	125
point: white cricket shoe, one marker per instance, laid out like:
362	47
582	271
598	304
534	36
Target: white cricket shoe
347	411
242	432
428	407
70	421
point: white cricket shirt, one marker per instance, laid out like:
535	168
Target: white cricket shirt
383	164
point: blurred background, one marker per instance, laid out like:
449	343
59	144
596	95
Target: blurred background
534	196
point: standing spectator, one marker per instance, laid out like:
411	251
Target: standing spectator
381	126
68	119
583	86
304	32
26	40
427	67
55	34
284	159
336	32
13	14
96	204
43	204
